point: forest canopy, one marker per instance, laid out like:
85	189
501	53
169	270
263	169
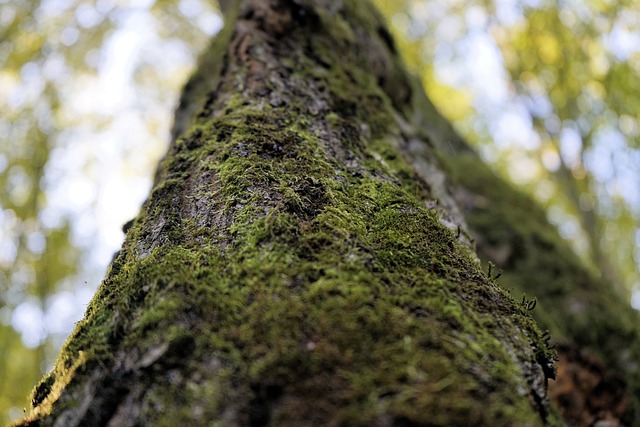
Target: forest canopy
546	91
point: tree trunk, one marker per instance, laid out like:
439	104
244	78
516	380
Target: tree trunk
305	256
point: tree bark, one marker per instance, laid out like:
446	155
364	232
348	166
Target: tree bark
306	254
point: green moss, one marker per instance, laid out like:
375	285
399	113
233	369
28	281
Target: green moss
363	287
287	258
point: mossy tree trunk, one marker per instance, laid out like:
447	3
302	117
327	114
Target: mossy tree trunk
305	256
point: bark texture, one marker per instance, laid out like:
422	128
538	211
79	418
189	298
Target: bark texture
304	257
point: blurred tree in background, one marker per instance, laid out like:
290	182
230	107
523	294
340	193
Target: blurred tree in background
547	90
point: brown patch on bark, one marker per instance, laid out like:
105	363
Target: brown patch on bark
243	47
275	17
586	393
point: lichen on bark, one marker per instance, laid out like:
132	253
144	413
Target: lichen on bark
293	265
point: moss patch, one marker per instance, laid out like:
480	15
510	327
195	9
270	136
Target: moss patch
286	270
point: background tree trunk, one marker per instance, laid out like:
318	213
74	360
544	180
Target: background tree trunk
306	256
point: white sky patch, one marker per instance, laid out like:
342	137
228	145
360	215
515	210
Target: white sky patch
27	318
476	18
569	229
50	8
137	4
8	249
36	242
210	23
475	65
64	308
126	204
514	128
627	174
190	8
69	36
484	62
539	105
509	12
80	192
622	42
599	158
7	14
570	146
119	60
88	16
54	68
448	70
635	298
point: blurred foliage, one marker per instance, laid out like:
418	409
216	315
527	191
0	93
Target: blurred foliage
548	92
576	63
33	257
53	55
558	110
